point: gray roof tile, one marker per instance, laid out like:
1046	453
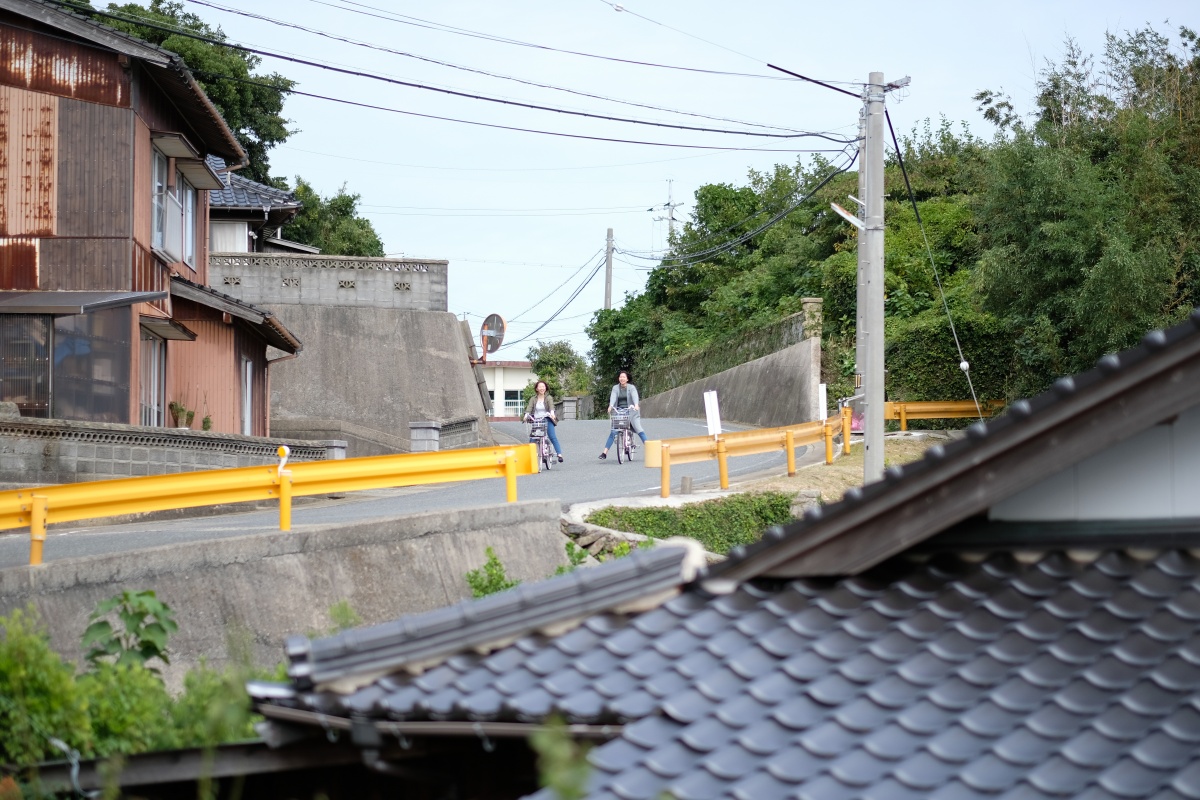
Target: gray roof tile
961	692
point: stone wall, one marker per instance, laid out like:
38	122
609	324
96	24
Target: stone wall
779	389
52	451
247	594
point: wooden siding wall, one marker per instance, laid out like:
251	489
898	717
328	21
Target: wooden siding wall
54	66
95	175
157	111
204	374
28	163
86	264
143	184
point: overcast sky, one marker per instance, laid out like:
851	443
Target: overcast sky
521	215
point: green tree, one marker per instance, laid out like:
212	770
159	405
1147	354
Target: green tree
564	371
332	224
250	102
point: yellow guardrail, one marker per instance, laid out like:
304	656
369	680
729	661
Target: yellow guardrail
662	453
939	409
44	505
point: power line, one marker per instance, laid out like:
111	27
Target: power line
451	65
495	126
552	292
536	169
563	307
452	92
405	20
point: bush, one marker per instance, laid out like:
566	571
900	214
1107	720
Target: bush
490	578
129	708
39	698
719	525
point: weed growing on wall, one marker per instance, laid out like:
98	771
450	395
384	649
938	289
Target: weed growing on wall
719	525
490	578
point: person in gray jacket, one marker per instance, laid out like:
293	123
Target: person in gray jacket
624	395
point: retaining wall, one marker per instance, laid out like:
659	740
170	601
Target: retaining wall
779	389
380	350
662	376
247	594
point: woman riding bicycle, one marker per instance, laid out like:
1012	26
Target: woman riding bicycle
541	406
624	398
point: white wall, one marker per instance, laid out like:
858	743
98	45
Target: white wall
1154	475
507	376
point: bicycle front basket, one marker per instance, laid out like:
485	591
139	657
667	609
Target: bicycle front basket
620	422
537	428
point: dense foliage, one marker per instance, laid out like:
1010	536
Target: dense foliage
332	223
719	525
1065	237
564	371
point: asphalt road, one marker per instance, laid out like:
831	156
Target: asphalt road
581	478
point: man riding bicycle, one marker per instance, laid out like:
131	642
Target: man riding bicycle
624	398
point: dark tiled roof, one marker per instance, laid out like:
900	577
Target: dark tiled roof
242	192
432	637
945	678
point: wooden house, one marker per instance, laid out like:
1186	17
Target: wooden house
105	310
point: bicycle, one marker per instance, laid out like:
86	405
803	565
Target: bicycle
624	443
538	435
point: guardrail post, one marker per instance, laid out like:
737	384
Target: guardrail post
510	476
828	443
722	463
38	509
285	500
903	417
665	456
847	422
789	444
283	478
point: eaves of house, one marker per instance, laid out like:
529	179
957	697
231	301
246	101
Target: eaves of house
261	320
898	644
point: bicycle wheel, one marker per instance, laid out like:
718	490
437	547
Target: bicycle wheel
629	447
620	440
546	459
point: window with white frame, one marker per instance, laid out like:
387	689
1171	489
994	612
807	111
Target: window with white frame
174	213
153	379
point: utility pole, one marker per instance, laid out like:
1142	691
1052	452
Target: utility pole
608	271
870	246
860	306
669	207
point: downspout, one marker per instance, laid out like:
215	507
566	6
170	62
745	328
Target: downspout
271	361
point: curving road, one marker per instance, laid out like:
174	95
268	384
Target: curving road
582	477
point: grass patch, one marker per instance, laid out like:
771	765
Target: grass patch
719	525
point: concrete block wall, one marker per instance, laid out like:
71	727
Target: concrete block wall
48	451
270	279
252	592
779	389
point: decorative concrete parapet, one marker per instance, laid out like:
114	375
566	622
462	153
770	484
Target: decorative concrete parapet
432	435
274	279
51	451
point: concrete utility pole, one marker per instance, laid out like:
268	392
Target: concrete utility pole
608	271
860	306
870	246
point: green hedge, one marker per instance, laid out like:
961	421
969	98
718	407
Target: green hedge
719	525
